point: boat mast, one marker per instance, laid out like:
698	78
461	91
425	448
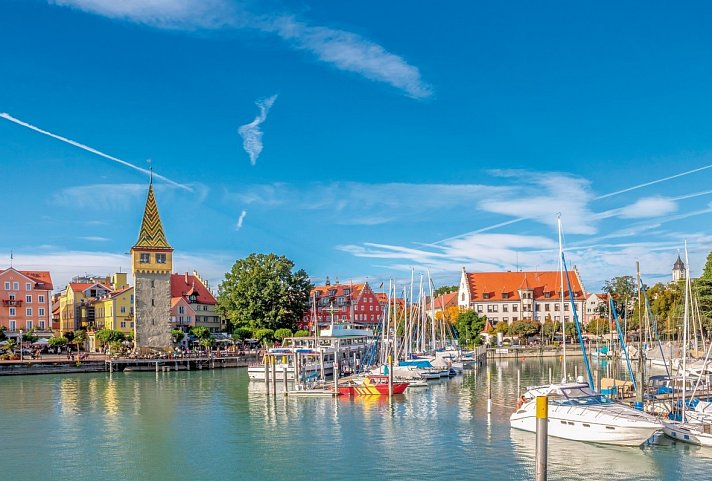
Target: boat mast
561	294
641	365
685	322
410	317
432	313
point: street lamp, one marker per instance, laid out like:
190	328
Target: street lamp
20	344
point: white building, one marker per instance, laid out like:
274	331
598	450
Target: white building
596	307
513	296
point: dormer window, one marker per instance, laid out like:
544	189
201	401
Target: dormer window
145	258
193	298
347	292
485	295
547	295
505	295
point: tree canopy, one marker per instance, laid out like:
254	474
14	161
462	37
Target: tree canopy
623	290
263	291
444	290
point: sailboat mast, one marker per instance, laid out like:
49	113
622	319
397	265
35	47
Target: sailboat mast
432	313
641	375
685	322
561	294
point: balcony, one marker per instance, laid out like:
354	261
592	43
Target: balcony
11	303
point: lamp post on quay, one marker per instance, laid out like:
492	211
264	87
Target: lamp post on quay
20	344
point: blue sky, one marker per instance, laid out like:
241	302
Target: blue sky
380	135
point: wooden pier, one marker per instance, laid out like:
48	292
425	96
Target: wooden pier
177	364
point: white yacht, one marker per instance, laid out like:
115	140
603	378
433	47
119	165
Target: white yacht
580	414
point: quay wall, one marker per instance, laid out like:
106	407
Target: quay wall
522	352
14	368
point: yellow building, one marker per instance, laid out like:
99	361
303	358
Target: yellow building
78	303
115	311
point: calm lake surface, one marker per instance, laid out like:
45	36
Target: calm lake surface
217	425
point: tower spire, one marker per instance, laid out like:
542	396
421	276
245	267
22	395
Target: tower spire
151	234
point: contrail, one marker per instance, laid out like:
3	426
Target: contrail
652	182
252	134
604	196
93	151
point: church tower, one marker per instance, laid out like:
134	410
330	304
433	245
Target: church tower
152	264
678	270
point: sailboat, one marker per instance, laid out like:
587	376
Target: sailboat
575	410
694	425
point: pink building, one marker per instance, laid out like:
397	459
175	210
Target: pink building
25	301
192	303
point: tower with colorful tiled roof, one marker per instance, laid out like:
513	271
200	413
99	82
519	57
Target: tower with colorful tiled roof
152	264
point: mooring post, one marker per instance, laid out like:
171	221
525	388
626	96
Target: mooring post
519	375
266	360
542	436
156	366
284	375
274	375
550	375
489	391
390	376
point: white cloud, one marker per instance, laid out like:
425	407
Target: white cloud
344	50
252	134
648	207
539	196
64	265
95	238
170	14
103	197
352	53
240	220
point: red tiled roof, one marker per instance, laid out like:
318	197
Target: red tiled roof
183	285
495	284
80	286
323	291
40	277
383	299
445	300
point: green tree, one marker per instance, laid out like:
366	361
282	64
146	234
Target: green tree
2	333
469	325
550	328
598	327
58	341
301	333
106	336
703	294
280	334
177	335
242	333
265	336
623	291
502	327
78	339
205	337
29	336
444	290
262	291
524	328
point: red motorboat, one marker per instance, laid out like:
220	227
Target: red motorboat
371	385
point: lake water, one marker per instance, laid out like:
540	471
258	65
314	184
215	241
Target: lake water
217	425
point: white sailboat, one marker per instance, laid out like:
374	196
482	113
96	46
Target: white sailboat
578	413
694	426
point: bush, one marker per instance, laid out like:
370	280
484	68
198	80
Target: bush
280	334
242	333
301	333
264	335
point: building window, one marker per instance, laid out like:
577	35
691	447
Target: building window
40	299
547	295
144	258
347	292
505	319
123	324
515	318
181	310
514	308
28	325
12	312
479	307
42	325
28	311
566	318
7	286
123	309
153	302
505	295
505	308
566	307
16	286
28	299
546	307
153	283
28	286
160	258
556	307
12	325
485	295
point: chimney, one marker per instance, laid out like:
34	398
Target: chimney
186	278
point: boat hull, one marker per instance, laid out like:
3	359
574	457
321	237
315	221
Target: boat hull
688	433
587	430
